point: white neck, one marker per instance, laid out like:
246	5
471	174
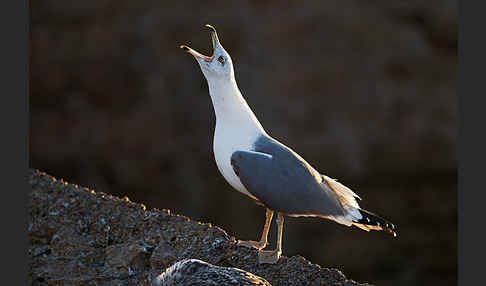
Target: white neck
231	108
237	127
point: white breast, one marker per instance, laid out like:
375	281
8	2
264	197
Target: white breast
226	142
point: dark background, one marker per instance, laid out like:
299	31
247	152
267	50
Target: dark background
363	90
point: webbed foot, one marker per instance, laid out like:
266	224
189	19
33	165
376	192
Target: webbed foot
269	256
252	244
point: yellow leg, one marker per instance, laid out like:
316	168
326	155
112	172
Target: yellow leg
263	240
272	256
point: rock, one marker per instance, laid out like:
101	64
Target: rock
130	255
163	256
82	237
196	272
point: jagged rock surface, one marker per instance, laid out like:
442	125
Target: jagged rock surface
196	272
81	237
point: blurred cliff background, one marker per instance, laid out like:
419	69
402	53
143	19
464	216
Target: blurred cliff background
363	90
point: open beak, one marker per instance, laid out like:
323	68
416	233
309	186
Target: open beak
214	41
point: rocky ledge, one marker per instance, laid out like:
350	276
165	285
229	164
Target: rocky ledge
81	237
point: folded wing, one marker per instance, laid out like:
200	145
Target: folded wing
284	182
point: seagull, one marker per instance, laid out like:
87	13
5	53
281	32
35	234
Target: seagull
267	171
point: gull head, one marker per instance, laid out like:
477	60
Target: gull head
216	67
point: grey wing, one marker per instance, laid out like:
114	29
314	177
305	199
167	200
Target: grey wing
283	183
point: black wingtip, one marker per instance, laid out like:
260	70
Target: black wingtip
389	231
372	219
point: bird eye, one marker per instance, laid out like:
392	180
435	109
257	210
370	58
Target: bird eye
221	60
